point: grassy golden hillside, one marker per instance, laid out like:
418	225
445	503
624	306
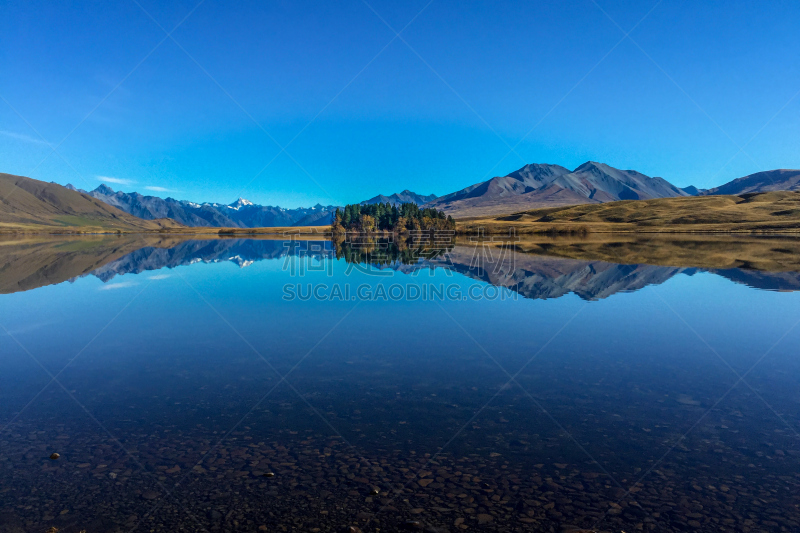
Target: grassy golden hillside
758	213
32	205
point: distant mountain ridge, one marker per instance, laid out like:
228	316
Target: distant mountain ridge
691	190
398	198
546	185
239	214
770	180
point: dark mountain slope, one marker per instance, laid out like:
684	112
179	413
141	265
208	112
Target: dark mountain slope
398	198
544	185
770	180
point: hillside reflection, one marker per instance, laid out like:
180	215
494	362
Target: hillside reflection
538	269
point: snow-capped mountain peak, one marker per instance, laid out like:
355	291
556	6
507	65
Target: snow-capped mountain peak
241	202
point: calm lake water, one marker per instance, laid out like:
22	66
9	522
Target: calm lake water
264	385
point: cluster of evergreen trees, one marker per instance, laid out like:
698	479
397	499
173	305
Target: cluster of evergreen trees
387	217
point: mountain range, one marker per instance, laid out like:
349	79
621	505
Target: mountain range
405	197
27	203
239	214
545	185
534	185
771	180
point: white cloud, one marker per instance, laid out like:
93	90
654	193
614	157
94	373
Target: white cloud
159	276
27	328
21	137
118	181
159	189
121	285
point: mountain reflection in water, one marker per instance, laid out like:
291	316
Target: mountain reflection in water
542	270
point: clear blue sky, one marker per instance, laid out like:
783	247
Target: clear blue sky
364	114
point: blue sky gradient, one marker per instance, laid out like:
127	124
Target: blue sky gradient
698	93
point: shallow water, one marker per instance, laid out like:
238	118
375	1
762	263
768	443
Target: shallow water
542	392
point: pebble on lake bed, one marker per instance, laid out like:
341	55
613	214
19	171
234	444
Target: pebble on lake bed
324	487
54	456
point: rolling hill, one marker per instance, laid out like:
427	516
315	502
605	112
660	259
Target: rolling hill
29	204
544	185
755	212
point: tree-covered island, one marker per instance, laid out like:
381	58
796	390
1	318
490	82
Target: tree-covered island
372	218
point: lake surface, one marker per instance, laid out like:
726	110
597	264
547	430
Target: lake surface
269	385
